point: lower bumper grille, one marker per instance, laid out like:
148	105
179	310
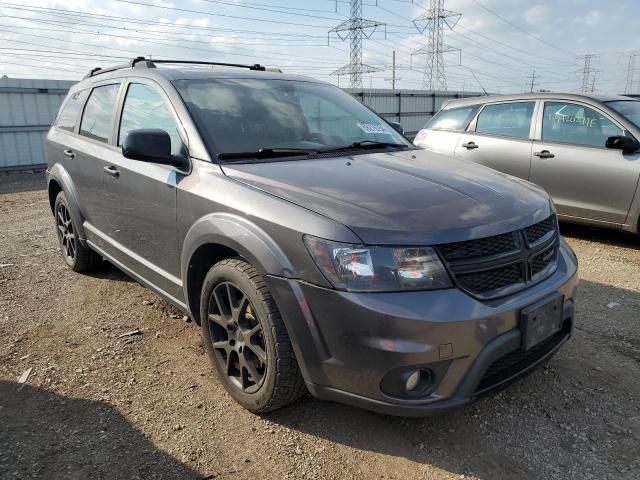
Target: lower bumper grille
515	362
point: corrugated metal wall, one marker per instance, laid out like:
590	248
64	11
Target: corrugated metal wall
412	108
27	108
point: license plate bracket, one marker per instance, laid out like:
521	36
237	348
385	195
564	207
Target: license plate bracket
541	320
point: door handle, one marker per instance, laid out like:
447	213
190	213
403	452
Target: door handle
112	171
544	154
69	153
470	145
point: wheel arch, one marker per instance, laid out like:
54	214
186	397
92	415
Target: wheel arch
218	236
60	181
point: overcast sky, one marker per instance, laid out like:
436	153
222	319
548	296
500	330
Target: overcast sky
501	42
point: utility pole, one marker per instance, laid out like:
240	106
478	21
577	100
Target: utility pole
355	28
533	81
393	67
587	72
433	21
393	72
631	73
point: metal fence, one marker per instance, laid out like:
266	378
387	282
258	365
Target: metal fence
27	108
412	108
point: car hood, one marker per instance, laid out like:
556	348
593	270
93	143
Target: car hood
410	197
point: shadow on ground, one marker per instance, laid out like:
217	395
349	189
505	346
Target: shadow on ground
109	271
602	235
45	435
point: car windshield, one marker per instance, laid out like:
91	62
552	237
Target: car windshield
630	109
281	116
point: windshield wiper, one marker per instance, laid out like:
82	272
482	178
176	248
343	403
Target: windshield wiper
271	152
365	145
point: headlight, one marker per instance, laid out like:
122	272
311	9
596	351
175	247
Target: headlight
378	269
420	137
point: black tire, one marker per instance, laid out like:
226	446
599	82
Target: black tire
238	339
78	256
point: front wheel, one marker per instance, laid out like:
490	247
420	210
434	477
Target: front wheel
246	339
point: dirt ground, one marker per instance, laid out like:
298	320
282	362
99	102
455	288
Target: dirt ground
103	404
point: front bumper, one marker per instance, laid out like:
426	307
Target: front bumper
346	343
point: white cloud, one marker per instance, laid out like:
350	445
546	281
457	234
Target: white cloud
591	19
536	15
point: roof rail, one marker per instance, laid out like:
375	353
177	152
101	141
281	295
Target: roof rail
141	62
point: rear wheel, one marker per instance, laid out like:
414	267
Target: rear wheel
246	339
79	257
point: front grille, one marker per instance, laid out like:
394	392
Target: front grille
515	362
542	260
540	229
483	247
496	266
492	279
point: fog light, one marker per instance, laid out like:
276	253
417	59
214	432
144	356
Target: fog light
412	381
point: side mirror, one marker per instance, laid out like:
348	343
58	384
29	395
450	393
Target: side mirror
396	126
148	145
626	144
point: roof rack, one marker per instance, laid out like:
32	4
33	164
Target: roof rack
141	62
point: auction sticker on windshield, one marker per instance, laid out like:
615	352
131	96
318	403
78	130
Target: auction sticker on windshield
372	128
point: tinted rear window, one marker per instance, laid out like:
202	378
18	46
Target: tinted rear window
69	115
98	113
453	118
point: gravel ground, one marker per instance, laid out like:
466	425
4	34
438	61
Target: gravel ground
102	402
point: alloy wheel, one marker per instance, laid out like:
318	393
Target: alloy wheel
66	234
237	337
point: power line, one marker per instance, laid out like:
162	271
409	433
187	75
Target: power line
506	45
264	8
65	14
200	12
236	50
521	29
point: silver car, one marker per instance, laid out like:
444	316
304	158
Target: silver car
583	149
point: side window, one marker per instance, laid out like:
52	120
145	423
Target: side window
68	117
144	107
453	118
506	119
573	123
96	119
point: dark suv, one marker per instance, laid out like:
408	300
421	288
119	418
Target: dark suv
317	248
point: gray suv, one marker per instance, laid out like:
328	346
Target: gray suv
582	149
317	248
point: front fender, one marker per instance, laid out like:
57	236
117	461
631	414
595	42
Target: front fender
58	174
239	234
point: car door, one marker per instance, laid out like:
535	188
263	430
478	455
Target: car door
142	195
570	160
442	132
89	150
500	138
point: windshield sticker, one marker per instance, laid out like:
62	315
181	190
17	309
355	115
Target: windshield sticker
373	128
